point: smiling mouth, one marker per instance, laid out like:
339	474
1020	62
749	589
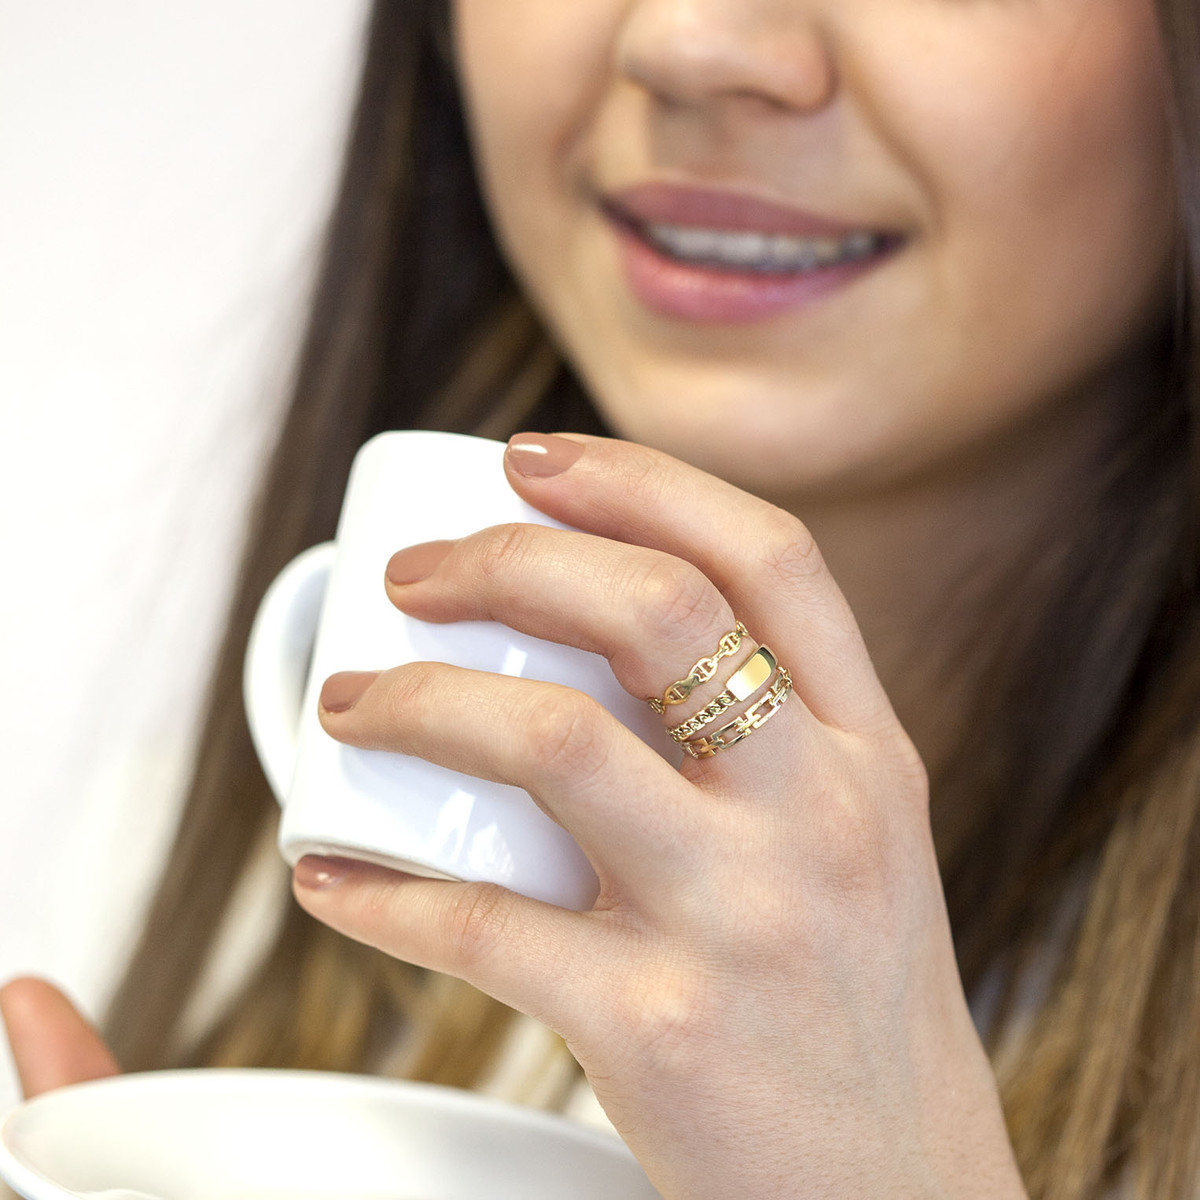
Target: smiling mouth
740	251
768	254
724	257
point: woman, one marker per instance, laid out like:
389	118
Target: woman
907	282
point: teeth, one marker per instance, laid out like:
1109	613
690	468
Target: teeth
745	249
759	251
796	253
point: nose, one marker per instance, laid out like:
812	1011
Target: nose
694	53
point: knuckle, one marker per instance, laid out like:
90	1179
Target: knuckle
788	551
642	476
566	738
676	601
853	845
499	548
908	763
477	920
410	686
672	1028
409	696
671	1016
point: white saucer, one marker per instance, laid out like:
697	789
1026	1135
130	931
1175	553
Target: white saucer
301	1135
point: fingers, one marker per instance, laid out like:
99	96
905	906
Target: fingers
645	611
652	615
761	559
52	1044
520	951
573	757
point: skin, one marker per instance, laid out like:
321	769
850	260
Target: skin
53	1044
764	995
1007	142
930	413
770	924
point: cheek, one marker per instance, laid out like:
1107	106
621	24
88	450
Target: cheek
1050	182
1004	103
531	73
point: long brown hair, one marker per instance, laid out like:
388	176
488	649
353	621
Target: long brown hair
1081	777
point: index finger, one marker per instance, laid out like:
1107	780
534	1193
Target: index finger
52	1043
762	559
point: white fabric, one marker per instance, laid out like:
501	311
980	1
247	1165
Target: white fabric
165	169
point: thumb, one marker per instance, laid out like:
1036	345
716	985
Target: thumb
52	1044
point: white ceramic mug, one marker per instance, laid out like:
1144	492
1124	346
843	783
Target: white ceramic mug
328	611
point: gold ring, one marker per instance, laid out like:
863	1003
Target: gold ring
755	717
741	685
702	672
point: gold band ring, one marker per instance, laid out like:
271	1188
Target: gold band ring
741	685
702	672
755	717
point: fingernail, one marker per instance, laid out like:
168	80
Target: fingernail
314	872
342	691
540	455
417	562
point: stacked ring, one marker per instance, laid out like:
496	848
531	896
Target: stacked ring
741	685
751	677
702	672
755	717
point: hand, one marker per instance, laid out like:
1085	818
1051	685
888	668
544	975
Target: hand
764	996
52	1044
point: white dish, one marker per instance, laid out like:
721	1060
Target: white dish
301	1135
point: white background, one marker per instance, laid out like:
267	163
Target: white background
164	170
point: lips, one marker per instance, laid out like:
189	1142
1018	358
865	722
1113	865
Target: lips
660	203
713	256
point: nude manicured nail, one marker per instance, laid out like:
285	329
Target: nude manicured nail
417	562
313	872
342	691
540	455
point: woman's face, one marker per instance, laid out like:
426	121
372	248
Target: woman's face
808	244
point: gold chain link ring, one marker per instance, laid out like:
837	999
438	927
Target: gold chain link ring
755	717
749	678
702	672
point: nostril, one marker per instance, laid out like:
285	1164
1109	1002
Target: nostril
701	53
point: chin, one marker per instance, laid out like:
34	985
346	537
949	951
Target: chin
795	446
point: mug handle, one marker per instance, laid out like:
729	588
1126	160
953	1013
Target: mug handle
277	658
